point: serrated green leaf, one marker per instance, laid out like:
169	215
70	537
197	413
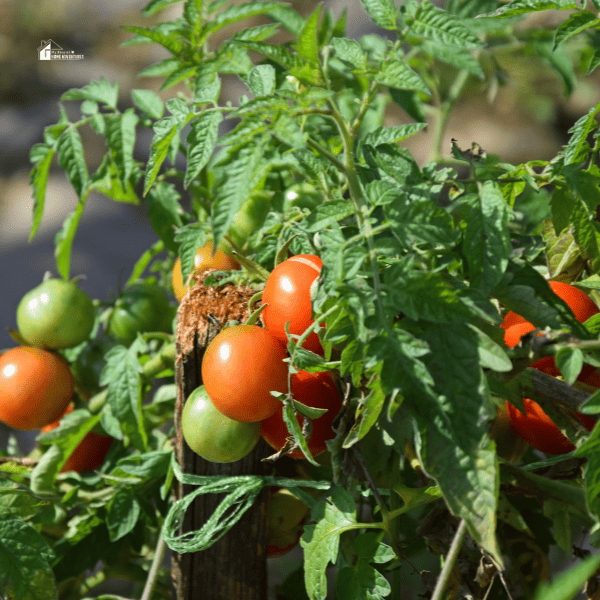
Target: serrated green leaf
396	74
164	212
579	134
491	354
122	375
424	295
594	61
420	222
25	571
279	54
148	102
170	41
257	34
521	7
178	75
333	515
162	68
393	134
164	133
382	12
487	244
367	414
587	236
63	241
98	91
349	51
201	139
576	23
570	362
289	18
362	581
71	158
559	60
123	512
261	80
238	177
457	57
234	13
157	5
120	137
307	45
437	25
190	238
41	155
325	213
409	101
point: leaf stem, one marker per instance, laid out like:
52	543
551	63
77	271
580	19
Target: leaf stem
453	553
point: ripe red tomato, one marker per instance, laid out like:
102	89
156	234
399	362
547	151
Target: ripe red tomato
583	308
240	367
287	296
317	390
35	387
212	435
55	314
89	453
536	428
204	259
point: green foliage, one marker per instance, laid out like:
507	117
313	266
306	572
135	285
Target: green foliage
421	262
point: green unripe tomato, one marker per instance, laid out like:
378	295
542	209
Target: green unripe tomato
55	314
141	308
211	434
250	217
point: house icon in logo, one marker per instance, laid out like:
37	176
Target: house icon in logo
45	49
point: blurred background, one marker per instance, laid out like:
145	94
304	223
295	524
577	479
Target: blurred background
526	119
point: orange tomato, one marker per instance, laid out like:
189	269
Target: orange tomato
35	387
204	259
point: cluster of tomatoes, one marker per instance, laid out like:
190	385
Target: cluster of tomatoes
37	383
534	426
223	420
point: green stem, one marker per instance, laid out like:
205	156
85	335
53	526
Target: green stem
154	568
453	553
444	114
360	204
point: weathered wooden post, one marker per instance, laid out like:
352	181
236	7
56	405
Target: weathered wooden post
235	567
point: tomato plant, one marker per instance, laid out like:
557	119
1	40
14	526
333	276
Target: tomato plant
317	390
212	435
89	454
287	299
55	314
204	259
141	308
240	367
406	262
35	387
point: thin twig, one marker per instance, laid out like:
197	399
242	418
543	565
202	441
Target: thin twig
154	568
457	542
